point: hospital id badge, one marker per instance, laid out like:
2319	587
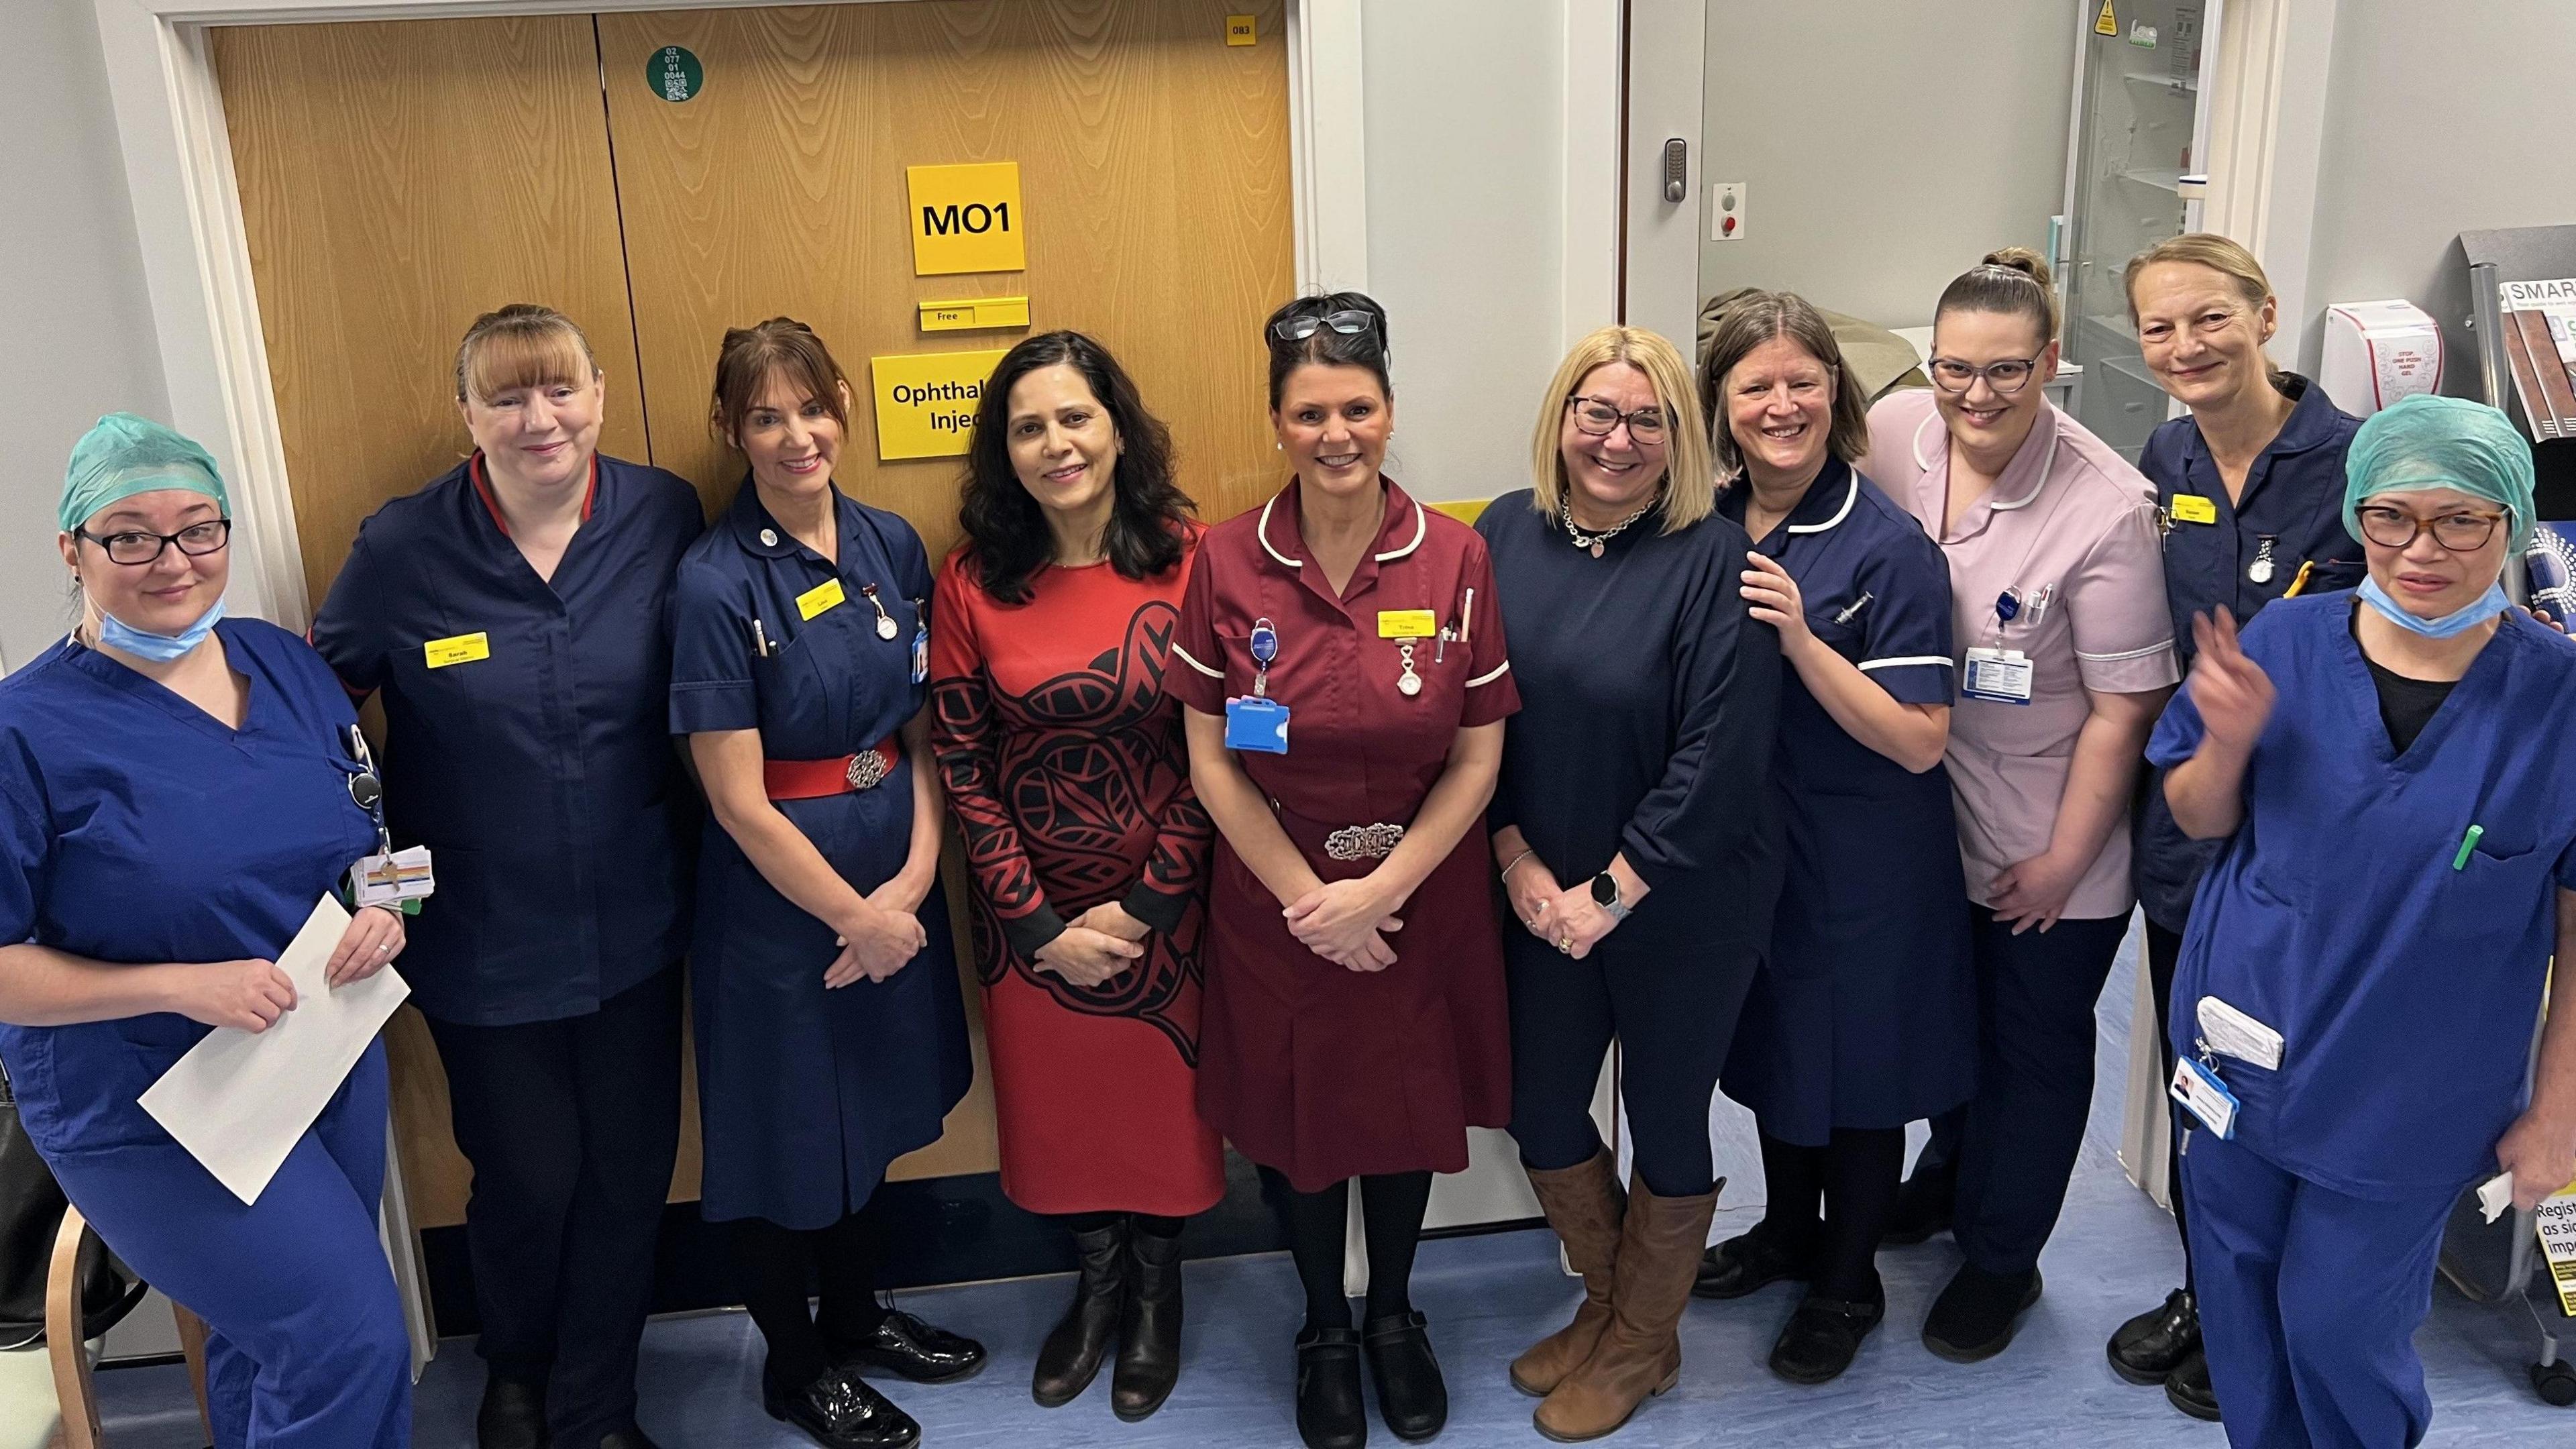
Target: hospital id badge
1257	724
2204	1096
1999	676
392	880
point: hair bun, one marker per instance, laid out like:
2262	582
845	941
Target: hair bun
2020	259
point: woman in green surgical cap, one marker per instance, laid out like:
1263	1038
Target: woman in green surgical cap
2394	775
179	794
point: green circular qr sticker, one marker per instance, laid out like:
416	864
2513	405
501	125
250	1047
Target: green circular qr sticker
674	73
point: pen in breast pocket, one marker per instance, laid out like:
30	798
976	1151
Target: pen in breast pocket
759	640
1466	615
2468	843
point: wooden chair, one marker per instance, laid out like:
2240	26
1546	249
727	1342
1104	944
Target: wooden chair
64	1346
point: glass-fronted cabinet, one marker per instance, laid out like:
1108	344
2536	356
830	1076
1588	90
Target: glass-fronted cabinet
2140	134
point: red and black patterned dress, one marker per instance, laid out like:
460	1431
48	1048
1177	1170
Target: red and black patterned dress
1065	765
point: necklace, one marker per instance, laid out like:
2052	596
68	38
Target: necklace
1595	541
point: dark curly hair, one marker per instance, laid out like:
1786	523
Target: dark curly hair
1005	527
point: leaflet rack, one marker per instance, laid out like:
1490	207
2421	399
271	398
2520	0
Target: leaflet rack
2519	254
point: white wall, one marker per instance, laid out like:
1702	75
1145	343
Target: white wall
79	328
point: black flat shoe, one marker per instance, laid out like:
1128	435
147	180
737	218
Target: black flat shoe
1823	1337
909	1348
1073	1353
512	1416
1411	1397
841	1411
2188	1388
1330	1412
1149	1333
630	1437
1750	1262
1922	1208
2148	1348
1976	1316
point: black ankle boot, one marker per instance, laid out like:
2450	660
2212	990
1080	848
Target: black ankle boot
1149	1333
1330	1412
1410	1394
1073	1353
513	1415
2148	1348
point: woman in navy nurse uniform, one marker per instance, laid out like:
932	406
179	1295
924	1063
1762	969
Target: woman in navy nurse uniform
533	760
2397	791
175	798
1864	1015
831	1032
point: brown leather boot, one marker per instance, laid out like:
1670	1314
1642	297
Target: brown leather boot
1583	1204
1640	1353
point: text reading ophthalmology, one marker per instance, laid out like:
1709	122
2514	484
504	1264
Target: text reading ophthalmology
943	420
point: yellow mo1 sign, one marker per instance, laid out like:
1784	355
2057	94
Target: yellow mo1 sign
925	401
966	218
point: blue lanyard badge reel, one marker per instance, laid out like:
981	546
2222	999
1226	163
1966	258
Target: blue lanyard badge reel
397	879
1995	674
1255	721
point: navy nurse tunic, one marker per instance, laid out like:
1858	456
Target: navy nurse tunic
1865	1013
539	775
137	828
805	1094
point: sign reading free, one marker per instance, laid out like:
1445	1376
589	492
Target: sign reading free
925	401
966	218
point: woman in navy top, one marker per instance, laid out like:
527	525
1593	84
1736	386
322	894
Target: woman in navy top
2249	489
175	800
1863	1017
831	1033
1638	842
513	615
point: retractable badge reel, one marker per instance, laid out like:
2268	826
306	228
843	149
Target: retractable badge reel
389	877
1255	721
920	641
1996	674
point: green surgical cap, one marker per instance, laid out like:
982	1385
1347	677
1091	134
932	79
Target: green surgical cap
2425	441
125	455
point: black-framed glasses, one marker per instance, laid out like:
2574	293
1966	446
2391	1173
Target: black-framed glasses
1350	322
2006	376
2462	532
136	549
1595	417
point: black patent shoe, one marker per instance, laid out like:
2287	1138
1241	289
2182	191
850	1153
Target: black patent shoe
1749	1262
841	1411
1976	1316
1149	1333
630	1437
2148	1348
1411	1397
2187	1388
1330	1413
1823	1337
1922	1207
1073	1353
909	1348
512	1416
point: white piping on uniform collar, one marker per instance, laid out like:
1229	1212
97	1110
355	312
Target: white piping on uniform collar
1262	531
2046	465
1850	497
1420	527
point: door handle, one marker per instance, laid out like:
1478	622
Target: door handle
1676	170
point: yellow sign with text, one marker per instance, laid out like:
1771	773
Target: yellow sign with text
1243	30
966	218
975	314
925	401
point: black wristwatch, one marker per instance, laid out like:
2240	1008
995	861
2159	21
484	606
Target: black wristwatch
1605	894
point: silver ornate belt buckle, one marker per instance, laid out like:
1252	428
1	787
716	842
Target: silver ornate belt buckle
867	770
1363	842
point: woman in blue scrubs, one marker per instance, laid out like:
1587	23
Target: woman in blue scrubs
2365	959
513	615
831	1033
2249	493
175	798
1864	1015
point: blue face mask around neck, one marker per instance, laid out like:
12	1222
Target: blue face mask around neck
114	633
2486	606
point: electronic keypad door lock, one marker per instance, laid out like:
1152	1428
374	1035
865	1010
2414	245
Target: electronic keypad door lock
1676	170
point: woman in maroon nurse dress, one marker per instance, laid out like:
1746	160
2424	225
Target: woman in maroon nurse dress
1064	763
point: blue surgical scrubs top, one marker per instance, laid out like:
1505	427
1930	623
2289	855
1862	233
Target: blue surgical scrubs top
542	778
2294	497
135	828
2405	990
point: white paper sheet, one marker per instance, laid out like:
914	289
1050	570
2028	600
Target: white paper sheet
239	1101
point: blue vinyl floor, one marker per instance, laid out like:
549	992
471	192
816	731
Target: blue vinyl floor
1488	1298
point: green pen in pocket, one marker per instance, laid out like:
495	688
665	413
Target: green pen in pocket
2468	843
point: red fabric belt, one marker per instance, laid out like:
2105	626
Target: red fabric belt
813	779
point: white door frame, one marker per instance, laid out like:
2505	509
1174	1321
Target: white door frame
196	255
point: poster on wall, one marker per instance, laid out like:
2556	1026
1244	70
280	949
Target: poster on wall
2540	341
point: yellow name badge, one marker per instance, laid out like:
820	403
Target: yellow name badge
462	649
826	595
1406	624
2192	508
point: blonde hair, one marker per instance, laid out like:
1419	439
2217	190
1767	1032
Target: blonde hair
521	345
1690	485
2223	255
2011	280
1751	318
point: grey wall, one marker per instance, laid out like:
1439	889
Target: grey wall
77	323
2439	119
1834	115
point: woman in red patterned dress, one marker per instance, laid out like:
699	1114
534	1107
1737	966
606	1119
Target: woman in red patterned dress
1066	768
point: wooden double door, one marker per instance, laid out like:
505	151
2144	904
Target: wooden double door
399	178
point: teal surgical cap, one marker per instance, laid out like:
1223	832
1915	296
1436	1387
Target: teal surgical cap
2424	441
125	455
